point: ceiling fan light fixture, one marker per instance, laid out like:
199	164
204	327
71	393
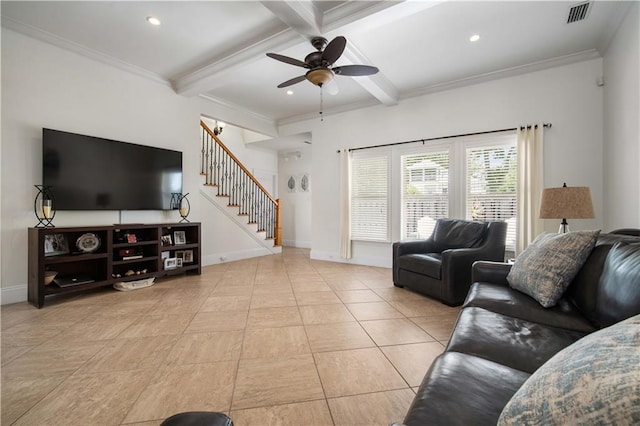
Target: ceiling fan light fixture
320	76
153	20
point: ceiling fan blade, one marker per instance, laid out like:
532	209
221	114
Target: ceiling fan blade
292	81
334	49
355	70
331	87
287	60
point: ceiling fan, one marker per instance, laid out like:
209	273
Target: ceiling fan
320	64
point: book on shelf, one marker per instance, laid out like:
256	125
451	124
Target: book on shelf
135	256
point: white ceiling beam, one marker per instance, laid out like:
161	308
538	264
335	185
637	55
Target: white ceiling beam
302	17
212	75
377	85
351	11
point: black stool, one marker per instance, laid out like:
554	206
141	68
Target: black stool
197	418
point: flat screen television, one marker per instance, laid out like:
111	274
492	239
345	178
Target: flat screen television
90	173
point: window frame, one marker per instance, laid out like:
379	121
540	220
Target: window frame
456	189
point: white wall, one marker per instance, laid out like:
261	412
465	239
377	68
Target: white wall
622	125
296	206
567	96
44	86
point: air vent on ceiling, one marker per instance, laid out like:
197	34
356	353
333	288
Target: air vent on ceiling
578	12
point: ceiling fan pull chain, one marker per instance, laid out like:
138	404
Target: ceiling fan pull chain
321	103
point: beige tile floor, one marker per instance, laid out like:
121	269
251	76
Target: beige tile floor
276	340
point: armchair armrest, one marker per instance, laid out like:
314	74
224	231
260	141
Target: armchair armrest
456	271
491	272
413	246
408	247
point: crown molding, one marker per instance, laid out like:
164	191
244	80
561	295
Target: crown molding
230	105
80	49
328	112
504	73
455	84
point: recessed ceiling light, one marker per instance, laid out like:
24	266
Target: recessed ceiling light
474	37
289	92
153	20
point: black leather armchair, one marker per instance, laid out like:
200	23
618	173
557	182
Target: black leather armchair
440	266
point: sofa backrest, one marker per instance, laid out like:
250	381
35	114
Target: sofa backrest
607	288
457	233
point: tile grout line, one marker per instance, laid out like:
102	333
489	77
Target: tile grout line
313	356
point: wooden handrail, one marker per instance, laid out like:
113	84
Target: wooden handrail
273	214
230	154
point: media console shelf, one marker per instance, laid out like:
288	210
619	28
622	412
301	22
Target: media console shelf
96	256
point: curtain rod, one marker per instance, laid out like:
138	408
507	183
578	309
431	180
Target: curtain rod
546	125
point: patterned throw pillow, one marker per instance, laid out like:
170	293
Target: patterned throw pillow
547	266
595	381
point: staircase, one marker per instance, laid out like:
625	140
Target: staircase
230	179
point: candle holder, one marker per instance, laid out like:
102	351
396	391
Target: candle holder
43	207
184	207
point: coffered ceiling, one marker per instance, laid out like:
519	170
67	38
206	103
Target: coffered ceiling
216	49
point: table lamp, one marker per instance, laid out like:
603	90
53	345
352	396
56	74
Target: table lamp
573	202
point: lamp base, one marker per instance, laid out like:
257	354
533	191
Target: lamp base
564	227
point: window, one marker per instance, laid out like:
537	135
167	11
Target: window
491	186
472	178
425	199
370	198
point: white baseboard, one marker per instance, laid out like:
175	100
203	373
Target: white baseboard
214	259
380	262
297	244
13	294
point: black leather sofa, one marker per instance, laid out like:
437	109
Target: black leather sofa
440	266
502	336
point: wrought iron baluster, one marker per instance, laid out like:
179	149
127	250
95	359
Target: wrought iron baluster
212	161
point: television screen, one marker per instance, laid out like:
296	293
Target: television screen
90	173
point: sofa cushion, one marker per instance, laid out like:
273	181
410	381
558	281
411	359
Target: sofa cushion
593	381
583	290
461	389
455	233
547	266
507	301
513	342
429	264
619	290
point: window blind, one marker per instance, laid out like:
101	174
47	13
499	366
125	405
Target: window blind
491	186
370	198
425	192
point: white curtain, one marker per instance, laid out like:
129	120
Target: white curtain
345	203
530	184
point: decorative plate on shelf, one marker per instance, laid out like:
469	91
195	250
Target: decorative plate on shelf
88	243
